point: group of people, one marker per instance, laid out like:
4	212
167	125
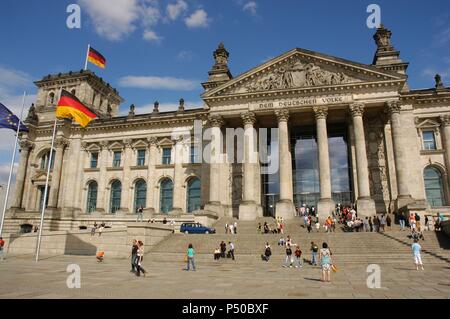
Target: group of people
137	256
98	228
221	251
231	228
266	229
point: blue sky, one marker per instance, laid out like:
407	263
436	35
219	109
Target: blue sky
166	46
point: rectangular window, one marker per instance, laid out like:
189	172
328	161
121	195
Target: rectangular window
116	159
166	154
140	158
429	142
194	156
94	160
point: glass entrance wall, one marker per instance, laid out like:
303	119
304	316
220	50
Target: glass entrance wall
305	165
271	182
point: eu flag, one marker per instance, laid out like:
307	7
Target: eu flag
9	120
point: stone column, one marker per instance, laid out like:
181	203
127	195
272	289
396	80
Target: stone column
178	178
445	121
60	145
214	205
401	165
153	151
102	206
25	147
365	204
285	206
326	204
125	201
248	208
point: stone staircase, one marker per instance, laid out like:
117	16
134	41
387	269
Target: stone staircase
393	246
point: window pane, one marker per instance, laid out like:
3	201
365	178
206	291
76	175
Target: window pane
141	158
166	155
92	197
116	159
140	195
116	193
94	160
429	142
166	201
434	187
193	195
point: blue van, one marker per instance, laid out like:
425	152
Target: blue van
196	228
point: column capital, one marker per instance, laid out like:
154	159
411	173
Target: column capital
216	120
26	145
357	109
282	115
248	118
152	140
393	107
128	142
104	144
61	143
445	119
320	112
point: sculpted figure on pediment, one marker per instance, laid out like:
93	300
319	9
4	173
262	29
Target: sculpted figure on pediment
297	75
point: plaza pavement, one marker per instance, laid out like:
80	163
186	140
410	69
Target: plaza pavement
22	277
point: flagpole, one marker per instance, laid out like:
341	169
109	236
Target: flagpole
13	159
87	56
44	200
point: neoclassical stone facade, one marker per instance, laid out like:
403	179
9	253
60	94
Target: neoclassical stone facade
345	132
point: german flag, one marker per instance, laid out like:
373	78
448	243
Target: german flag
69	107
96	58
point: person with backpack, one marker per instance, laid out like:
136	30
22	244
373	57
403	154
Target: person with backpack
267	253
314	250
288	261
298	257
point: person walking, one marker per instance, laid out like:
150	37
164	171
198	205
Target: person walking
235	228
139	259
298	257
288	261
418	224
190	257
388	221
133	255
366	224
267	253
401	221
325	262
231	250
314	250
226	228
223	249
2	249
416	249
382	223
370	224
140	214
309	226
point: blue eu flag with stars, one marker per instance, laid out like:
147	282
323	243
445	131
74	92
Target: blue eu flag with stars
9	120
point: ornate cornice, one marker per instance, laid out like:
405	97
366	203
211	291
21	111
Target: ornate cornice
248	118
128	142
282	115
393	107
152	140
104	144
356	109
216	121
320	112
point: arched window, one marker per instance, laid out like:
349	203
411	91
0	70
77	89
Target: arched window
434	186
166	196
116	193
51	98
140	194
92	197
45	160
193	194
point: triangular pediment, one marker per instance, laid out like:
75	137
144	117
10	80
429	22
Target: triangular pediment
427	123
302	69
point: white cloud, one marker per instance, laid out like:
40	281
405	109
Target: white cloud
176	9
112	19
251	7
185	56
157	82
198	19
442	37
431	73
150	35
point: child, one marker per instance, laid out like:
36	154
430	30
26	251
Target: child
416	248
100	255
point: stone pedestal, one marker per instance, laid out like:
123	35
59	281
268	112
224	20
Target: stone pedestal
365	207
249	210
285	208
214	208
325	206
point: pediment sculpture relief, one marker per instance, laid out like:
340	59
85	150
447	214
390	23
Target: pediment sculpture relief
296	75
